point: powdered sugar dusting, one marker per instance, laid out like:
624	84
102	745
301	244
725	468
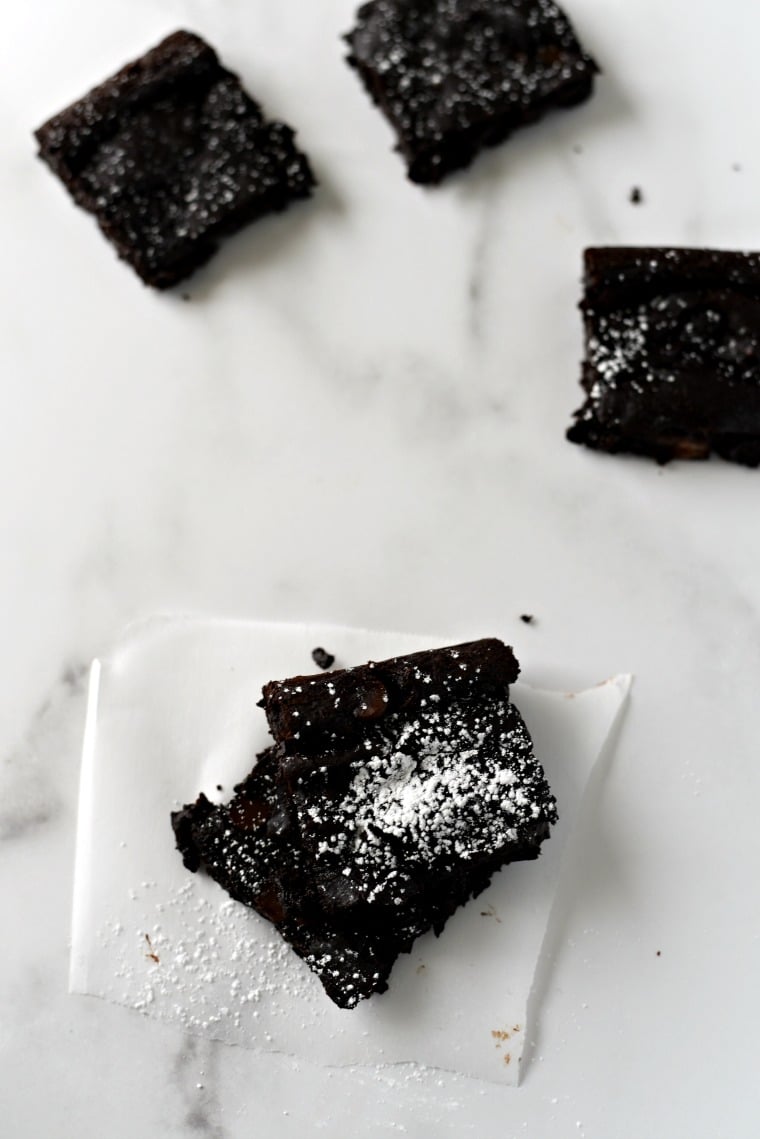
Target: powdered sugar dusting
672	353
453	784
618	344
213	966
170	154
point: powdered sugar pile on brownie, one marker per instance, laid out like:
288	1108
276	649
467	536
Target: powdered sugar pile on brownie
434	789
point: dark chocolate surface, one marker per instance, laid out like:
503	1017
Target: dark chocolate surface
672	365
171	154
454	76
315	713
353	859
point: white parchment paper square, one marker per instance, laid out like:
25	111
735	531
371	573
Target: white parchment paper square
172	711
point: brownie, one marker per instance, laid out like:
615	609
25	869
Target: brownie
170	155
367	830
307	712
672	366
454	76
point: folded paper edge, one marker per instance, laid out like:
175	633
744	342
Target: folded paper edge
622	682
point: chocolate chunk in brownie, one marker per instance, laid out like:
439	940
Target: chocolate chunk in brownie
170	155
369	837
454	76
672	365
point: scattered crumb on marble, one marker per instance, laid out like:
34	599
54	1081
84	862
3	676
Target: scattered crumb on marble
527	619
636	196
322	658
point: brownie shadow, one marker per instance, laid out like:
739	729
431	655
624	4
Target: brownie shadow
588	839
252	248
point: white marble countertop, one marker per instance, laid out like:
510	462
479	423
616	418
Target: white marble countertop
359	416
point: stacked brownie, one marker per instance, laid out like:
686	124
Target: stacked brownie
391	795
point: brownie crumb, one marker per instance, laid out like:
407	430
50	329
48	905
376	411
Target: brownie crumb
219	787
659	953
527	619
636	197
322	658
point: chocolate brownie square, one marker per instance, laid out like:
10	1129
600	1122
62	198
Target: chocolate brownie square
454	76
171	154
393	793
672	366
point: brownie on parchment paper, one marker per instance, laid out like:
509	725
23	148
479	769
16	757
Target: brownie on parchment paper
170	155
672	367
391	795
454	76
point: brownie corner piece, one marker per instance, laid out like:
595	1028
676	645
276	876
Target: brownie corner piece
455	76
672	354
171	154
